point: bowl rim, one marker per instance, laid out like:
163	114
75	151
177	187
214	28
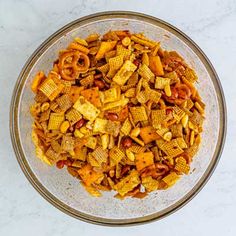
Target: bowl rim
14	130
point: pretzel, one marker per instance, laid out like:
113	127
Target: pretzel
179	94
70	66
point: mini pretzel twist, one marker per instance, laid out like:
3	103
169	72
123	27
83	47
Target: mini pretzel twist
70	66
179	94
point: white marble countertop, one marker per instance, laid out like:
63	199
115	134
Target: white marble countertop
25	24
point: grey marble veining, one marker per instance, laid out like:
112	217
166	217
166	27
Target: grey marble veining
25	24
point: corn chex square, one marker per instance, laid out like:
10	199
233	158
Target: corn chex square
138	114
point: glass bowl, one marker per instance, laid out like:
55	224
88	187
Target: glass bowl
64	191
